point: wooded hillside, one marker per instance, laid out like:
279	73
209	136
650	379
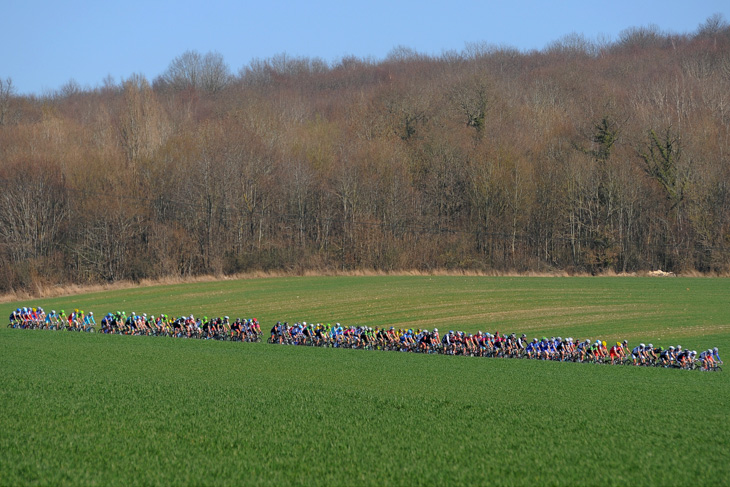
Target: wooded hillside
580	157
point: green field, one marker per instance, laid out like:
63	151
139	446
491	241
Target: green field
99	410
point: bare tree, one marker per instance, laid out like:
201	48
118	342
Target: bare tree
70	88
193	70
572	45
7	90
640	37
714	25
472	99
662	165
142	122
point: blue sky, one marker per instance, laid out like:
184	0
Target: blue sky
47	43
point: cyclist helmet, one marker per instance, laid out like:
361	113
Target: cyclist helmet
679	347
641	345
671	347
436	330
91	313
714	349
651	346
709	351
618	343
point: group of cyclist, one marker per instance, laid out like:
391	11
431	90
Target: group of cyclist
490	345
219	328
76	320
363	337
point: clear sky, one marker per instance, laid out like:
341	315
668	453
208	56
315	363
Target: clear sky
47	43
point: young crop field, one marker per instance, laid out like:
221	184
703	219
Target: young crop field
95	409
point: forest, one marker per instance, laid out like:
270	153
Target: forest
583	157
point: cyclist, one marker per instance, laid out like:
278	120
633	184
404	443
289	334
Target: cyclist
543	349
237	329
255	328
49	321
595	350
470	345
637	354
446	343
666	356
435	338
426	342
706	357
520	345
41	316
657	352
716	356
307	334
89	321
509	344
14	317
615	353
681	358
388	336
690	358
533	349
649	354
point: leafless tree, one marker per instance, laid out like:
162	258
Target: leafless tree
207	72
7	90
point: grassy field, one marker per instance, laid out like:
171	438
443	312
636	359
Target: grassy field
100	410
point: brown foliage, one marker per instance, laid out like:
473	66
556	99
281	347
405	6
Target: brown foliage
491	160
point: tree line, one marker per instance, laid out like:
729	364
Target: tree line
581	157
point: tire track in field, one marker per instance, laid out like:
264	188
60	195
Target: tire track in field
582	315
691	331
